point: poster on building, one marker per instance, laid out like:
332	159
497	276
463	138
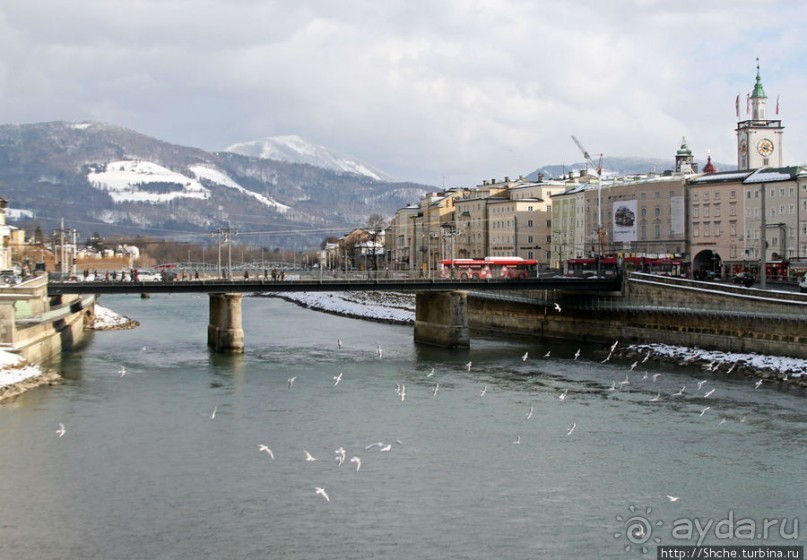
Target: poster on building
624	221
677	222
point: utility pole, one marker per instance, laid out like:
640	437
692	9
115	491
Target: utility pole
227	234
763	262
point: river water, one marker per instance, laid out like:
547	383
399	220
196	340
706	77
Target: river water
145	469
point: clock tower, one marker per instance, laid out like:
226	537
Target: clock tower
759	140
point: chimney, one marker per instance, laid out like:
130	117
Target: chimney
583	172
506	179
571	175
540	177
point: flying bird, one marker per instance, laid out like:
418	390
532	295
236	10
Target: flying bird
529	414
357	461
656	398
656	376
525	356
613	386
613	346
679	393
431	373
403	393
337	379
122	371
708	393
213	416
608	357
577	354
484	390
340	456
704	410
61	430
262	447
547	353
701	383
647	357
339	343
757	384
518	440
468	365
291	381
571	429
557	307
732	367
673	498
386	447
380	352
633	365
562	396
323	493
308	456
436	388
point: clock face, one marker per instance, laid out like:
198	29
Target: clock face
765	147
743	147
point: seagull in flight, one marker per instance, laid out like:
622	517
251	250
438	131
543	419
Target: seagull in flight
679	393
525	356
517	441
308	456
708	393
656	398
704	410
122	371
468	366
722	421
626	381
613	346
613	386
380	352
577	354
633	365
431	373
673	498
262	447
547	353
529	414
732	367
757	384
323	493
701	383
386	447
484	390
291	381
557	307
656	376
337	379
376	444
339	343
357	461
608	357
340	456
571	429
644	377
647	357
436	388
213	416
61	430
403	393
562	396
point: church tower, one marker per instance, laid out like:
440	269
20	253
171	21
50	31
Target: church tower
759	140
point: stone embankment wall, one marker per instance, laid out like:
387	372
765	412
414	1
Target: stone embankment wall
655	309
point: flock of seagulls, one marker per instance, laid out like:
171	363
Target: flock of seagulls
341	453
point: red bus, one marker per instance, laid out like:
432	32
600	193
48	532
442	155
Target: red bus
490	267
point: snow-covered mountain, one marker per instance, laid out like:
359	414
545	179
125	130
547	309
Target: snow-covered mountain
294	149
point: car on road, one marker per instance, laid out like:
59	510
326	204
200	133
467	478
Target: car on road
803	284
744	278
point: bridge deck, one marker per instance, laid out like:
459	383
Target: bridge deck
333	285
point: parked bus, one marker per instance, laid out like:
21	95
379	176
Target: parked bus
490	267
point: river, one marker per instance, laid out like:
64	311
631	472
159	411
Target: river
146	469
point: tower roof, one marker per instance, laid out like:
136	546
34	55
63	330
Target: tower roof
683	150
709	167
759	91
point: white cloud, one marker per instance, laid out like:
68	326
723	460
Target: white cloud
423	90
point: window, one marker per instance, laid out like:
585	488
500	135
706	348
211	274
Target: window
529	239
694	197
705	211
706	230
717	229
657	232
644	231
732	210
658	211
732	228
695	231
716	196
733	194
644	212
695	212
717	211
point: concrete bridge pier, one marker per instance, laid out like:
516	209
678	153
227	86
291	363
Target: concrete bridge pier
224	330
441	319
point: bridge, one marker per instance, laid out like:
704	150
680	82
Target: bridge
218	285
441	312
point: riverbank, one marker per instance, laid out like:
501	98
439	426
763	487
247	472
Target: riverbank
400	309
17	375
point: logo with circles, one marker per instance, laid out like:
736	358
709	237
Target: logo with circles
638	529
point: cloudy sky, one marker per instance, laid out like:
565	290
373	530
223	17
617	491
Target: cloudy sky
445	92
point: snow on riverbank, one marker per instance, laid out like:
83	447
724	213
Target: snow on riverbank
375	306
17	375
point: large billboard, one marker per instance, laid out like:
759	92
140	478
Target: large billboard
624	220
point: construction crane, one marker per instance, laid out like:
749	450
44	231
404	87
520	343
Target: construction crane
598	167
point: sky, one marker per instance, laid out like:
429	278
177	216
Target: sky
445	93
